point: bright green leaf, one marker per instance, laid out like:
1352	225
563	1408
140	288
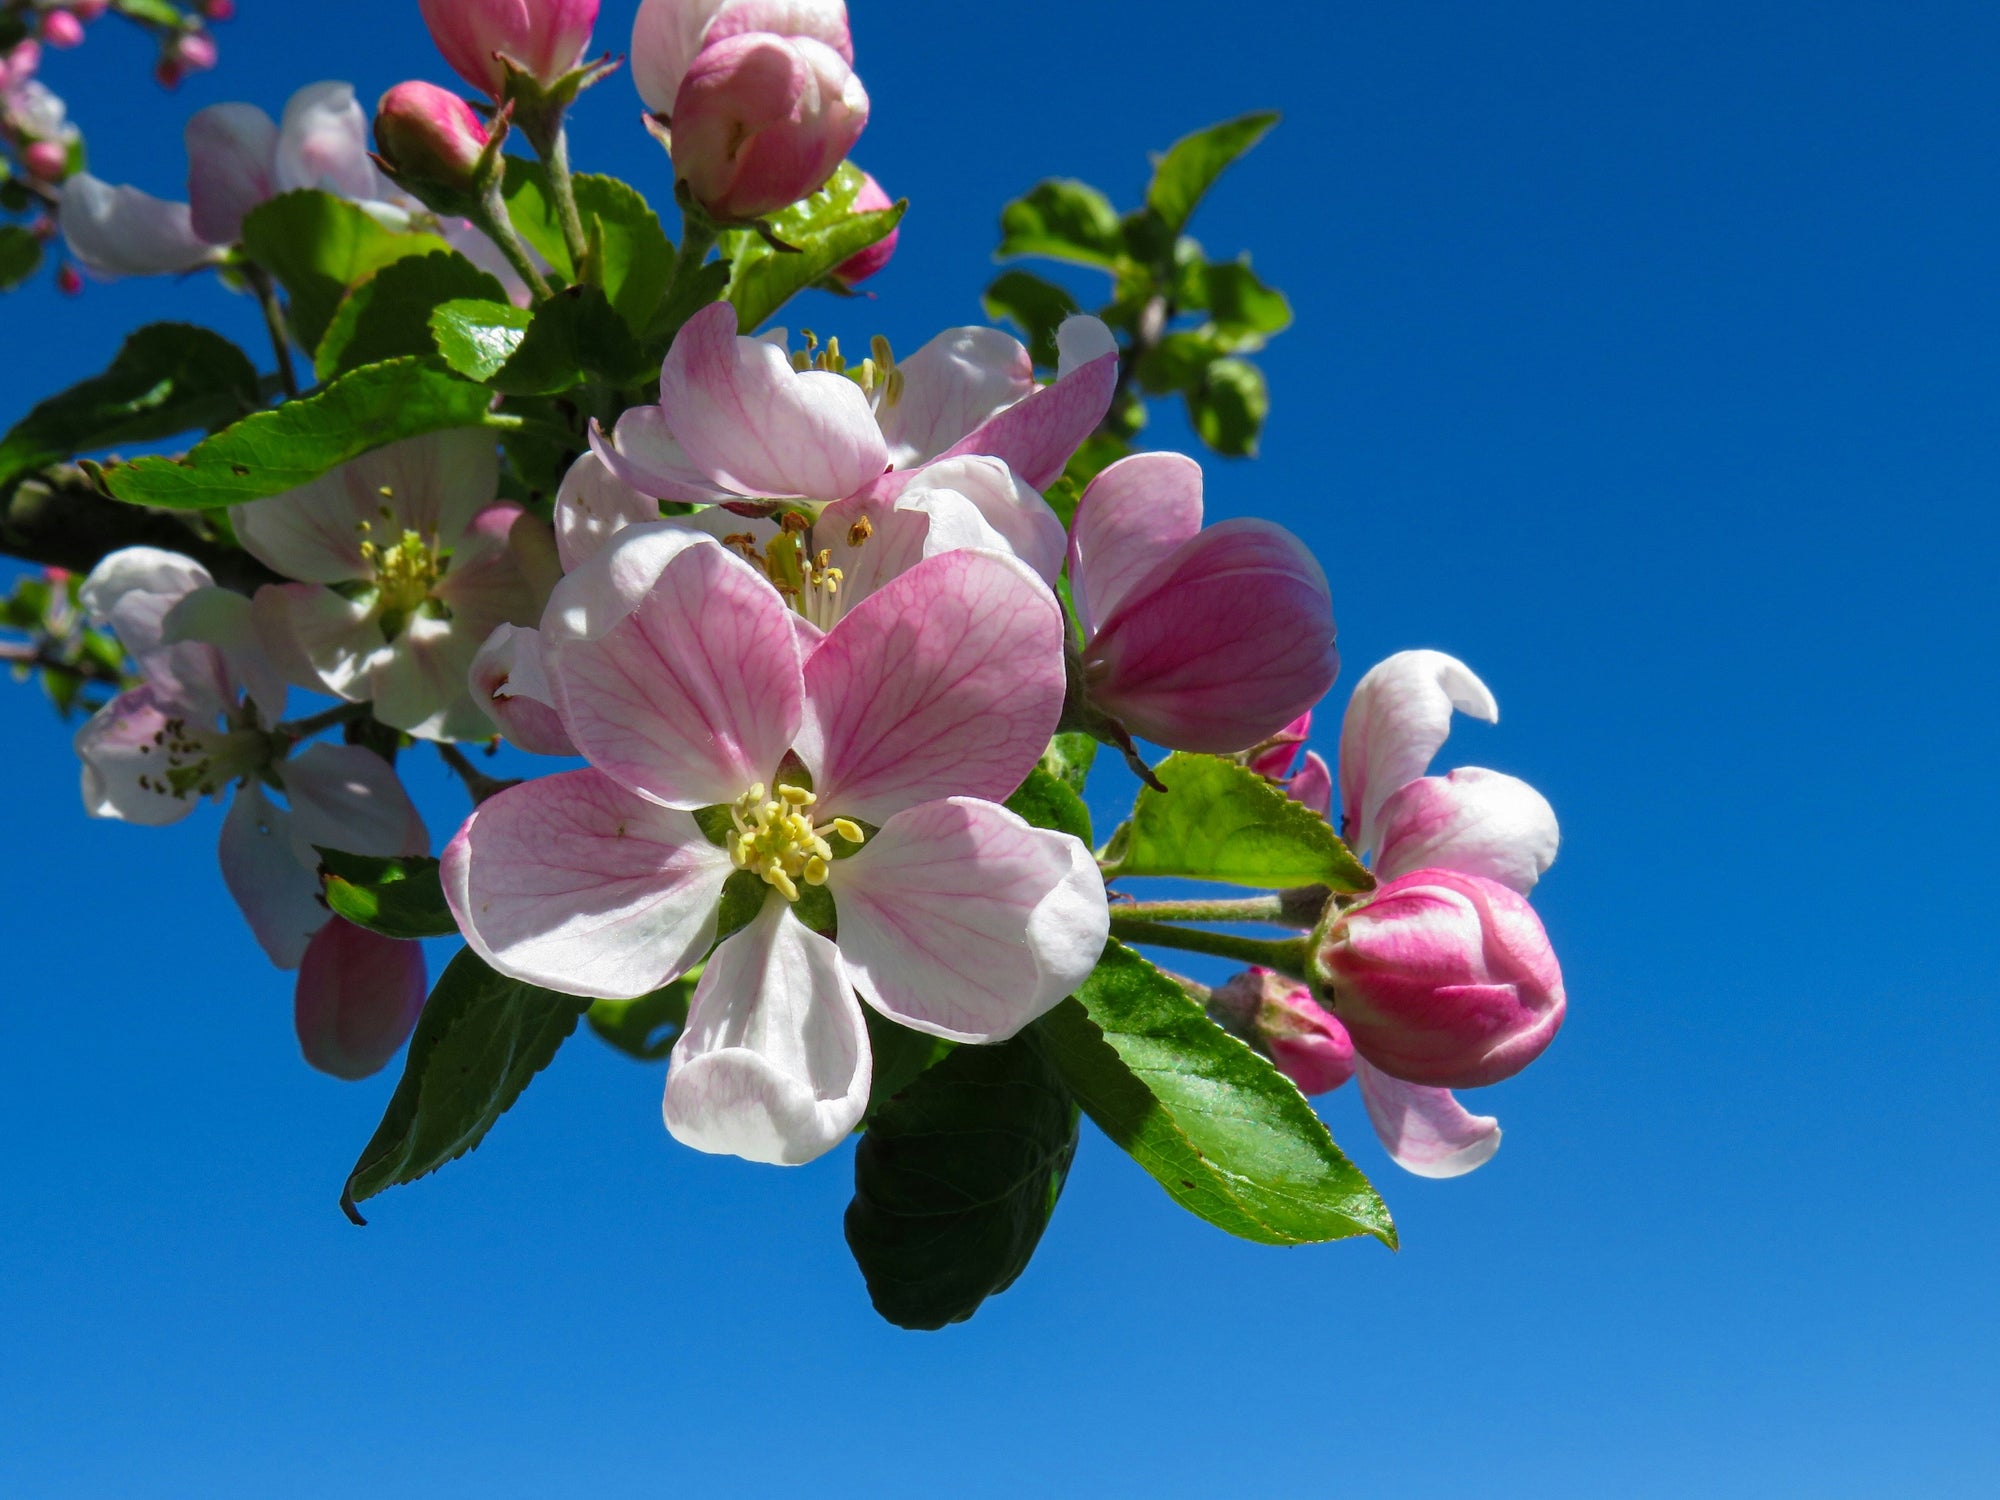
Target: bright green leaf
573	336
646	1028
319	246
279	450
1189	168
1227	1135
1035	306
1062	219
1048	802
20	255
480	1041
1243	309
632	258
1229	407
388	315
169	378
1069	759
760	285
956	1180
1218	820
399	898
478	337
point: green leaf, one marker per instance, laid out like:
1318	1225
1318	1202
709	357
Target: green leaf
1099	452
899	1055
1062	219
573	336
1048	802
760	285
1229	407
1227	1135
956	1180
399	898
645	1028
481	1040
1244	311
319	247
1221	821
533	212
1069	759
1183	176
1035	306
169	378
20	256
1179	362
478	337
389	314
632	259
279	450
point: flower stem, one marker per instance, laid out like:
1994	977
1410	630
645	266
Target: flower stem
490	215
274	321
1285	955
332	718
554	151
1249	909
477	782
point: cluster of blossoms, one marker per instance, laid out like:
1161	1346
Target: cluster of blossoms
802	625
185	44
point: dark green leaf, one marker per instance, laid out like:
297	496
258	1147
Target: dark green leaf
1048	802
956	1180
1179	362
1227	1135
477	338
1229	408
1221	821
399	898
533	213
169	378
573	336
20	255
645	1028
1062	219
280	450
1243	309
319	246
1035	306
900	1057
1183	176
631	256
761	284
388	315
481	1040
1069	759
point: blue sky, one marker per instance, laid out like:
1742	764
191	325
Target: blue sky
1644	359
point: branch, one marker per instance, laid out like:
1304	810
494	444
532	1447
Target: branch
1285	956
477	782
59	520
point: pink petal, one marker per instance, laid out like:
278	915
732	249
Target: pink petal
960	919
1313	785
320	639
422	684
1223	644
1396	721
1273	759
225	621
669	33
593	506
230	152
120	231
1131	519
948	682
1426	1130
357	1000
695	694
642	454
1036	436
508	683
126	748
501	572
1021	519
347	797
961	378
753	424
774	1063
279	896
323	143
575	884
1475	821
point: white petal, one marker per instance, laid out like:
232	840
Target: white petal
1016	515
278	895
423	684
120	231
1080	340
130	746
1475	821
1426	1130
593	506
323	143
225	620
347	797
951	385
1398	718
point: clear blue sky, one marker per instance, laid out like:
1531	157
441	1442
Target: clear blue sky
1645	358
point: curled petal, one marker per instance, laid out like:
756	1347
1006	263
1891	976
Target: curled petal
357	1000
1134	516
1273	759
961	378
230	149
948	682
774	1063
347	797
279	897
576	884
1082	340
1035	437
1426	1130
1313	785
692	696
593	506
1396	721
133	592
323	144
960	919
1222	645
642	454
753	424
1476	821
509	684
1020	517
120	231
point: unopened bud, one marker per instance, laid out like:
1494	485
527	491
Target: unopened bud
47	160
219	10
69	281
357	999
1280	1018
546	37
865	263
423	132
1442	978
60	28
88	10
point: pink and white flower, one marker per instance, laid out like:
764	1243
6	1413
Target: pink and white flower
1211	639
669	35
858	774
546	38
406	565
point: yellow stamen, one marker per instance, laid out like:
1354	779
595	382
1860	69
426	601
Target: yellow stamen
775	837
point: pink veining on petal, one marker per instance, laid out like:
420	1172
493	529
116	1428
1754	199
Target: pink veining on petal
1133	517
1398	718
1036	437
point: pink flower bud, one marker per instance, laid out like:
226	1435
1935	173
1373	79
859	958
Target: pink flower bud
429	134
860	267
219	10
1280	1018
47	160
62	29
761	121
357	998
69	280
668	35
89	10
1443	979
195	51
1273	759
546	37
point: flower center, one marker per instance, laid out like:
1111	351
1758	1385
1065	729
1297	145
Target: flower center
807	579
187	762
775	838
880	381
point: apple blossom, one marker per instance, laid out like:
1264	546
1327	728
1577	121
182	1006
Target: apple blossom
431	565
1281	1019
1209	640
669	34
678	673
357	999
547	38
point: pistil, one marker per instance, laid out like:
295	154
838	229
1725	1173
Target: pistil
776	838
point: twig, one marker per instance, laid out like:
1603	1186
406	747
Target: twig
477	783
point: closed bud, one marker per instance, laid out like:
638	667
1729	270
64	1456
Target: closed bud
761	121
430	135
357	999
1443	979
89	10
48	161
62	29
1280	1018
862	265
546	38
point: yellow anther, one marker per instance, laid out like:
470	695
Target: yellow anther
775	838
815	871
884	359
847	828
